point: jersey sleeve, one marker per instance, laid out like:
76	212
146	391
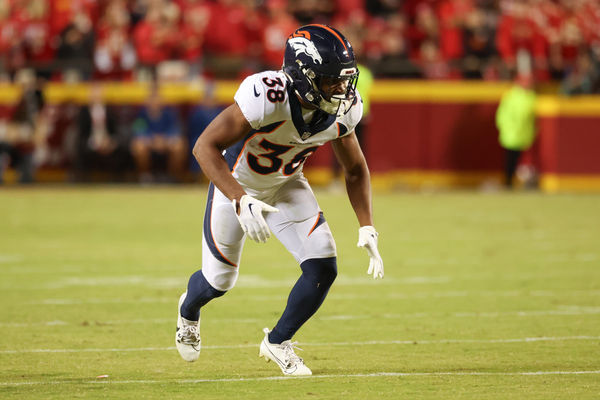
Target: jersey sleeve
250	97
353	116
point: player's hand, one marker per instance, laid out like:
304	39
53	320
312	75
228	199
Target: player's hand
367	239
249	213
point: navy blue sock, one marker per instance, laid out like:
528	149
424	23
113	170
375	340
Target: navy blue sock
306	297
199	292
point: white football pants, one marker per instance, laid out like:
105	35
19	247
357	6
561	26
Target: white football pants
299	225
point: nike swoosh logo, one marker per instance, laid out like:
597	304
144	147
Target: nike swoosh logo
250	207
256	94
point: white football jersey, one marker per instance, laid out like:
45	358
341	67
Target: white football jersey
274	150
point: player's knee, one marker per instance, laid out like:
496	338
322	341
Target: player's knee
320	270
222	279
216	293
199	284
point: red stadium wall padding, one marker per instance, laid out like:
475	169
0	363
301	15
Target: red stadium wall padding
427	136
393	139
570	145
462	137
548	133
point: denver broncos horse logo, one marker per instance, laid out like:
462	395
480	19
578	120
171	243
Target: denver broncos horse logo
303	45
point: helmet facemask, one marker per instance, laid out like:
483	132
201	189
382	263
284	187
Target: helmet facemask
336	104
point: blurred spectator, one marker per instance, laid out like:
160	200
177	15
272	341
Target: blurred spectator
432	63
312	11
571	42
24	35
425	27
11	55
75	49
196	16
344	8
383	8
63	12
515	120
478	44
61	119
156	36
36	35
232	38
356	25
279	26
394	61
200	116
451	14
23	141
235	36
102	143
582	78
114	56
588	18
158	140
517	31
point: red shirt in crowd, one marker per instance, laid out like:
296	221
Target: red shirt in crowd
228	30
196	16
274	36
154	40
451	14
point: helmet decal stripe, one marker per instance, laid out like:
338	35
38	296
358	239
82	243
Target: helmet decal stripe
302	45
331	31
300	33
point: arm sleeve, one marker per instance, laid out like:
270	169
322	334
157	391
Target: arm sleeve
250	97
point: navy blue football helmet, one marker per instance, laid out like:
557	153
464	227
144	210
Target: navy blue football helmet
314	53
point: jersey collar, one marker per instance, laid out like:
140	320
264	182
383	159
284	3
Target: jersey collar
319	122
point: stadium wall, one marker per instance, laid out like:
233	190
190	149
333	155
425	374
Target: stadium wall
421	132
444	134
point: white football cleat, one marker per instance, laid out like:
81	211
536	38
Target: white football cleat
187	336
283	354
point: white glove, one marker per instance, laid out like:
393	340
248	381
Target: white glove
251	218
367	239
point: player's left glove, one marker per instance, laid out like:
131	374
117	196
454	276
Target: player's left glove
251	217
367	239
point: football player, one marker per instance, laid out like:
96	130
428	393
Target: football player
253	153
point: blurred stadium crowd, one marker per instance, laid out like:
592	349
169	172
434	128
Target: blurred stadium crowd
437	39
202	40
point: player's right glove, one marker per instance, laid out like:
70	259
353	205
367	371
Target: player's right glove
367	239
249	214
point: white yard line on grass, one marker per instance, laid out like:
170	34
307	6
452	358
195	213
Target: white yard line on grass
245	281
563	310
10	258
333	297
280	378
366	343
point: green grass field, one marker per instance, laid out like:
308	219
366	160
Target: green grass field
485	297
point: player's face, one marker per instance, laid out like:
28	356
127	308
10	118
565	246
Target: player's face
333	86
